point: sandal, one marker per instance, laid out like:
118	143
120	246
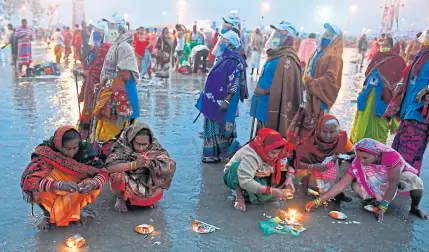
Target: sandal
210	160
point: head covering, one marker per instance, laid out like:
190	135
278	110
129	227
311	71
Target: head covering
372	146
314	150
267	140
159	163
285	26
47	156
390	66
232	38
118	19
333	29
424	37
233	20
100	26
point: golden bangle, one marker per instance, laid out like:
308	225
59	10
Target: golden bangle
133	165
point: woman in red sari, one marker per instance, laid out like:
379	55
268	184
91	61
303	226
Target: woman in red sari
140	168
64	175
77	44
68	37
92	71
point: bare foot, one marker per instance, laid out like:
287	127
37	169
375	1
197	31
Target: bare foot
153	206
45	225
419	213
83	220
121	205
240	204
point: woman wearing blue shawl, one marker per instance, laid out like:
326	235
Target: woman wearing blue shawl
225	87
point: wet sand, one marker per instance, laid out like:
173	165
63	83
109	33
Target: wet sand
32	111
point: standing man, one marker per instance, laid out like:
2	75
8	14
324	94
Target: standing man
118	103
413	48
297	42
13	44
24	36
362	47
86	48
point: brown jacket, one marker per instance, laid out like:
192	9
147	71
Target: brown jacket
323	86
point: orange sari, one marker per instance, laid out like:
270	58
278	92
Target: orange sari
64	207
48	166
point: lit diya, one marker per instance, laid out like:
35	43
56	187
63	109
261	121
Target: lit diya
288	193
203	228
76	241
144	229
291	216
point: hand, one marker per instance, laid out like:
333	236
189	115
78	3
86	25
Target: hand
76	72
278	193
104	80
224	106
379	215
320	167
260	91
307	80
86	187
422	93
309	206
289	184
141	161
68	186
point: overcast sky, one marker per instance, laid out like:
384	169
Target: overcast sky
309	14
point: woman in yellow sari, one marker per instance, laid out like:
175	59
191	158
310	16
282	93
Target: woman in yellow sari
64	175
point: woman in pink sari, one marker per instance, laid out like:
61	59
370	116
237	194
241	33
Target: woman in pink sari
379	173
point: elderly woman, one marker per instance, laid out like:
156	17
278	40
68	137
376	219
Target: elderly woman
380	172
259	171
63	176
140	168
318	155
225	87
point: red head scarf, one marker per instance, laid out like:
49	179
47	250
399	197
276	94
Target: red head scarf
266	141
314	150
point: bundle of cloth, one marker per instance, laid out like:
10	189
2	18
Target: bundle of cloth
42	69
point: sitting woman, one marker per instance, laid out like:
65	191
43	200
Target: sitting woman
64	175
140	168
259	170
380	172
319	153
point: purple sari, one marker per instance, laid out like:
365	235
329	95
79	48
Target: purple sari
228	76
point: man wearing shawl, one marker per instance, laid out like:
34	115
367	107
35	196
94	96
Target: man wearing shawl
379	173
411	104
24	36
225	86
64	175
92	70
117	102
322	83
140	168
382	76
279	92
260	171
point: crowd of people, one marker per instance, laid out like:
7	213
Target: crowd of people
293	136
